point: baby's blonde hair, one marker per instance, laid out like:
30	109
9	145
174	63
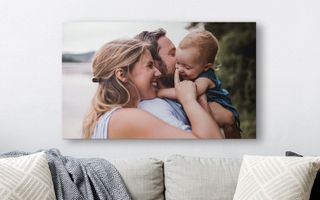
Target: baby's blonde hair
112	92
203	40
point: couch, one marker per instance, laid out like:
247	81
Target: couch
176	177
195	178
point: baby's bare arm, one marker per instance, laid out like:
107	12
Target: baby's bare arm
203	84
168	93
222	115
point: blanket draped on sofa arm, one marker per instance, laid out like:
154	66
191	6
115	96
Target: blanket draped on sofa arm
85	178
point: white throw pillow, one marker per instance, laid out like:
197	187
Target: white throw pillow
276	178
26	177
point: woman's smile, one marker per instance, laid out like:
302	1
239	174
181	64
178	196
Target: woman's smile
145	76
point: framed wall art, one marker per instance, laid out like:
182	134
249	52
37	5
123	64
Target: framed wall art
159	80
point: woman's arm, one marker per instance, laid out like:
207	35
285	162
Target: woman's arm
202	100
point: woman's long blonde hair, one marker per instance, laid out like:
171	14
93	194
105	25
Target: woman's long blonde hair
112	92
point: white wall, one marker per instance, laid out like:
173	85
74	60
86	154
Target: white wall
287	74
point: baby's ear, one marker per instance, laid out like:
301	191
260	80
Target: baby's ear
207	66
121	75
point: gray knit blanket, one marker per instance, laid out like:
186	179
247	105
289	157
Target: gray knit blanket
77	179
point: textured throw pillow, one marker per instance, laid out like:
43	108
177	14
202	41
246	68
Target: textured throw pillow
199	178
276	178
315	192
26	177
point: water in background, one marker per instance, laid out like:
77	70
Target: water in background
78	90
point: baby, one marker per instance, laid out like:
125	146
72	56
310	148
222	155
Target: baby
195	60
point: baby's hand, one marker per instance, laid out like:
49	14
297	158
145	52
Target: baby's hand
185	90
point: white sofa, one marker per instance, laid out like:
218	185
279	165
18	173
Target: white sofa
177	177
180	177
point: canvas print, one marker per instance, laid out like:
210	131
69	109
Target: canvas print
159	80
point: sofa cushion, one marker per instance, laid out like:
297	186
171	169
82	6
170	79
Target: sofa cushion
200	178
26	177
315	192
276	177
142	177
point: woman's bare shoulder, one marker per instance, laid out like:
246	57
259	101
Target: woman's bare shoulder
127	121
128	113
136	123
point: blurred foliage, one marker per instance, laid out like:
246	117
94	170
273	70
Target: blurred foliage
236	60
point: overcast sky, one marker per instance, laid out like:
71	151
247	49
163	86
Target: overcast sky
89	36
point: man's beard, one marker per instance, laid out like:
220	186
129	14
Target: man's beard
167	80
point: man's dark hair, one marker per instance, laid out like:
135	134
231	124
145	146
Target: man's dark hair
152	38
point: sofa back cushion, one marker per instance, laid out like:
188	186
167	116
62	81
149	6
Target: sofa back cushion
142	177
200	178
